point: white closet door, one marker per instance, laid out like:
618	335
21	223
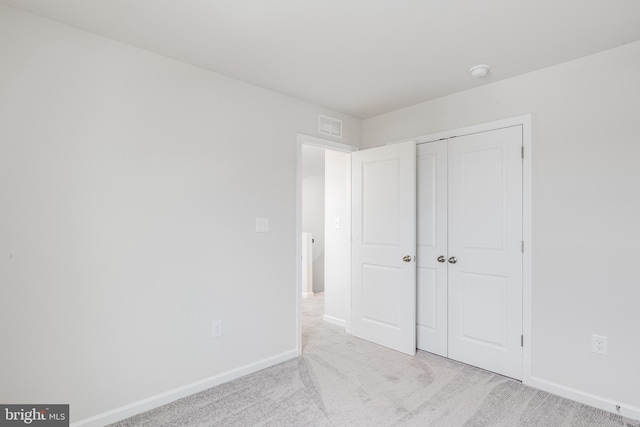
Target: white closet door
384	235
485	259
431	246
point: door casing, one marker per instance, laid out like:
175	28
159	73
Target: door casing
302	139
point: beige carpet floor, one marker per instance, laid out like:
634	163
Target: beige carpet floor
344	381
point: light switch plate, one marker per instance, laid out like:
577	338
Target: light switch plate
216	329
262	225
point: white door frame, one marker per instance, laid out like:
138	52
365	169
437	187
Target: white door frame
525	122
302	139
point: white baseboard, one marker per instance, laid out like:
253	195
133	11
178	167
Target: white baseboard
334	321
307	294
600	402
157	400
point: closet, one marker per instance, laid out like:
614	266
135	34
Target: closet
437	242
469	249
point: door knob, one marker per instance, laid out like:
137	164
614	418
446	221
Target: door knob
453	260
441	258
406	258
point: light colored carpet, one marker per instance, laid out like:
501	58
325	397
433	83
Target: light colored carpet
344	381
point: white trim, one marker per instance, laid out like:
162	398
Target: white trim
596	401
325	143
527	237
302	139
335	321
160	399
307	295
468	130
527	206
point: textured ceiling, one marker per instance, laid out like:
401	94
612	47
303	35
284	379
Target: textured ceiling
360	57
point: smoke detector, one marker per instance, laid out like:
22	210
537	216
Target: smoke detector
479	71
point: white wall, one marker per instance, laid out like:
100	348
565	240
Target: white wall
313	222
337	240
586	205
129	187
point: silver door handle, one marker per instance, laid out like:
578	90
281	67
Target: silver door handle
441	258
453	260
406	258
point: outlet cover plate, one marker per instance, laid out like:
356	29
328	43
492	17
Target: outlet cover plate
599	344
216	329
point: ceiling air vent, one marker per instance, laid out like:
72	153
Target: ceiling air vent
329	126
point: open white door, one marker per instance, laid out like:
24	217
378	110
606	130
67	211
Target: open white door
384	245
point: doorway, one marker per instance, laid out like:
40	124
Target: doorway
324	174
313	220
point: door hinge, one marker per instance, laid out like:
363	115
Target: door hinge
522	246
521	340
522	151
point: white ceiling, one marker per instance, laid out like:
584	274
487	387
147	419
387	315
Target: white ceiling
360	57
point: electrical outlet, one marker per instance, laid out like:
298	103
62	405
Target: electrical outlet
216	329
599	344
